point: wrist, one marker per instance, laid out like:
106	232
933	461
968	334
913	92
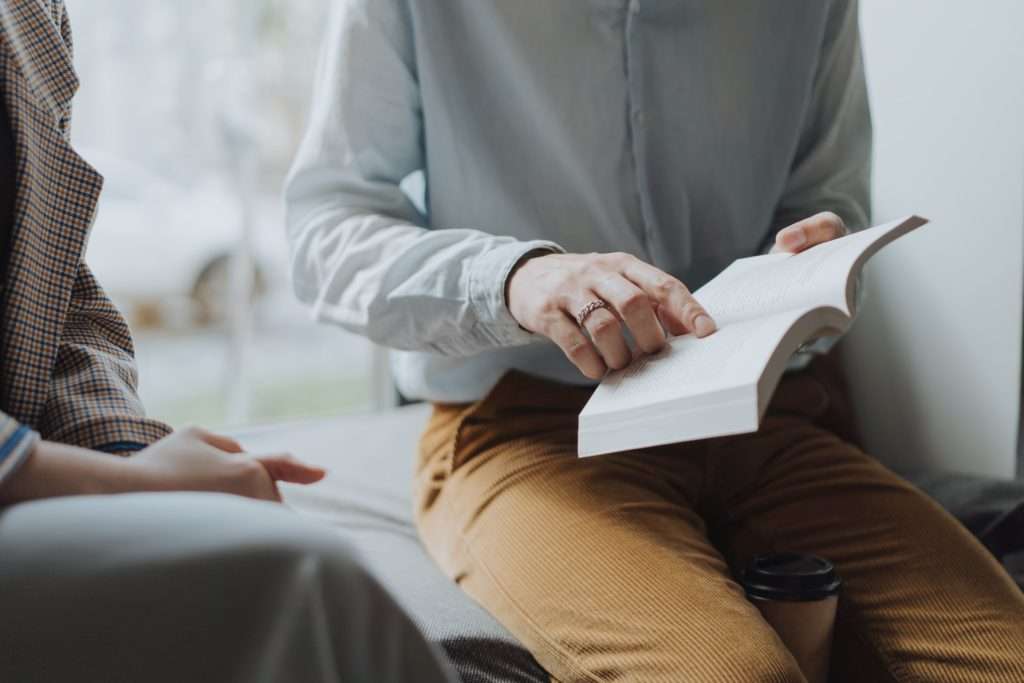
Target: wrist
56	469
116	474
489	277
528	256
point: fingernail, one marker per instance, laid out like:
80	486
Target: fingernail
703	325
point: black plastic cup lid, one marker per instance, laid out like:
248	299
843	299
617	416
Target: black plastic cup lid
790	577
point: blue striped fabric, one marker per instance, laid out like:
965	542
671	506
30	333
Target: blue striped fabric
16	442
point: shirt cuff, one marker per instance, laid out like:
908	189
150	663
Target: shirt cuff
121	447
488	275
16	443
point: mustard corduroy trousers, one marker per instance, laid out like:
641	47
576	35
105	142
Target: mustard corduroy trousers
621	567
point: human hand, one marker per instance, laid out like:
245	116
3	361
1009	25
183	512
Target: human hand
194	459
546	295
804	234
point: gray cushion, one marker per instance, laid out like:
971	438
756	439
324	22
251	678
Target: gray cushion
367	498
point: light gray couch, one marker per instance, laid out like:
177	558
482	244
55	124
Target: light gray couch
366	497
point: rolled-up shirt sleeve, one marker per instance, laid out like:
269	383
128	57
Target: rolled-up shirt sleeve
16	443
361	256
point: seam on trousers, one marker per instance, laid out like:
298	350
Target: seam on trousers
571	659
455	444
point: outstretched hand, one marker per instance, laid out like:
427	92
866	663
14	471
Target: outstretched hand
194	459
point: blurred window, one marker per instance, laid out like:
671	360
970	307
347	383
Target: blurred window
192	110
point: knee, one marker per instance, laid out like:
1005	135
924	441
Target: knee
271	559
222	538
250	532
150	529
752	656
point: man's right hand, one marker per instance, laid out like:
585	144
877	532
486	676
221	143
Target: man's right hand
194	459
545	294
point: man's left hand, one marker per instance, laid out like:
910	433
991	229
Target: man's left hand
805	234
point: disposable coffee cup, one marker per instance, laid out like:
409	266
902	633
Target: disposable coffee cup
798	595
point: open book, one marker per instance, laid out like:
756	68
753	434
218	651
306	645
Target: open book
766	308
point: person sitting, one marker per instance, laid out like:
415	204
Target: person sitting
587	164
166	583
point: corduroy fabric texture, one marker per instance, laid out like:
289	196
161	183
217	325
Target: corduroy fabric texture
620	567
68	367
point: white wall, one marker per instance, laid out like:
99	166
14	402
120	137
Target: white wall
935	358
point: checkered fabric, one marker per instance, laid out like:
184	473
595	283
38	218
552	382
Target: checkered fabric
67	355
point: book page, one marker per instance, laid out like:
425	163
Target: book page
733	356
755	302
820	276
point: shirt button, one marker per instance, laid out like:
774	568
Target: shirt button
634	6
638	117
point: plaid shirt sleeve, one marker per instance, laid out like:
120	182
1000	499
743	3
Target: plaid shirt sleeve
93	401
16	443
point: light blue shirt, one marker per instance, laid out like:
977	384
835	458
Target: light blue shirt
685	132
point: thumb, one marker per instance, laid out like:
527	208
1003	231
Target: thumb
283	467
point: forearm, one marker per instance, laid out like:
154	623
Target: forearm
92	400
362	255
54	469
91	403
406	287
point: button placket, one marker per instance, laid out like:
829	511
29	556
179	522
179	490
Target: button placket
636	123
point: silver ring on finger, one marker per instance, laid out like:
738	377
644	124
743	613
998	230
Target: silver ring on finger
584	313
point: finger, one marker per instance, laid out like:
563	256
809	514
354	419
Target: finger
671	322
271	493
575	345
636	309
257	481
224	443
606	333
283	467
677	307
275	493
821	227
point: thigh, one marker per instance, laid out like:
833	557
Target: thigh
600	566
920	594
175	587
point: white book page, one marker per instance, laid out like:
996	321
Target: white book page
763	285
755	302
732	357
